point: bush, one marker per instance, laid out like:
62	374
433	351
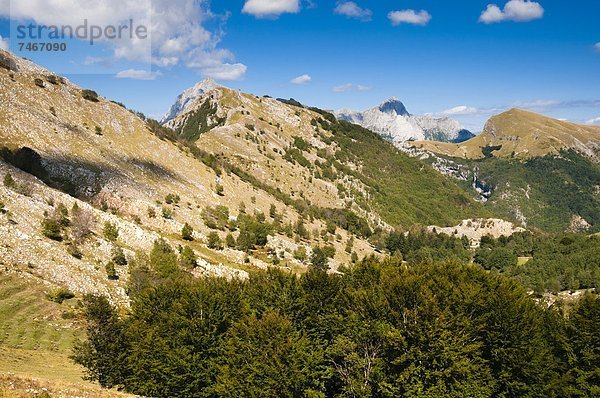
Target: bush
167	213
74	251
118	257
151	212
111	272
39	83
219	190
188	258
300	254
59	295
230	240
172	198
187	232
216	217
111	232
9	182
301	144
52	229
81	224
90	95
52	79
214	242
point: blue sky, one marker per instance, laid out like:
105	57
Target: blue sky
438	56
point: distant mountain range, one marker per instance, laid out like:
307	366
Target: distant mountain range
392	121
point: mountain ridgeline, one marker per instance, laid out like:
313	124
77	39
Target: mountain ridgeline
392	121
309	150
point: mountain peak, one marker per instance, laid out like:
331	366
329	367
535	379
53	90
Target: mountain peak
187	97
393	105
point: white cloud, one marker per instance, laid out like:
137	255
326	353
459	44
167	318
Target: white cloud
226	72
3	43
302	79
461	110
595	121
514	10
137	74
597	46
177	28
351	87
218	64
409	16
270	8
353	10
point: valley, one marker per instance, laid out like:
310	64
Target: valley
248	224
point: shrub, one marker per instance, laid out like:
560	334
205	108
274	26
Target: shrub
118	257
187	258
111	232
216	217
90	95
39	83
52	79
163	260
219	190
59	295
187	232
172	198
230	240
167	213
74	251
111	272
301	144
52	229
151	212
329	251
98	130
349	245
81	224
214	242
61	214
300	254
9	182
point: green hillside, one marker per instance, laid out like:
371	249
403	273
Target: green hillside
549	192
404	190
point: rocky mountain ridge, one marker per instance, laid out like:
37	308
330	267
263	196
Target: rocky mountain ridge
393	122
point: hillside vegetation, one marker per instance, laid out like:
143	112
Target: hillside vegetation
552	193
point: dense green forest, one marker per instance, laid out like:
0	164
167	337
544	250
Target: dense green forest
380	328
553	262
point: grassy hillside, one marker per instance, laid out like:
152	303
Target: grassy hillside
522	134
36	339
